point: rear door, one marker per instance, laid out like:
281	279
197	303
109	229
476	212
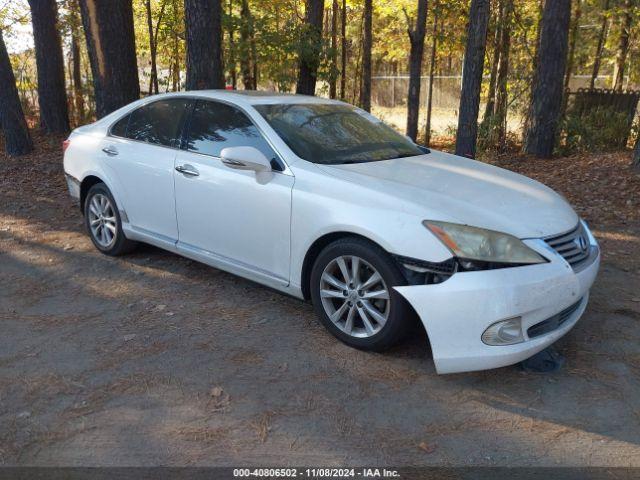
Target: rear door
227	216
140	153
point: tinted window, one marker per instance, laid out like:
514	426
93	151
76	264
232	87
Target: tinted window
119	129
333	133
159	122
215	126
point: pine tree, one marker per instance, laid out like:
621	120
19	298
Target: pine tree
472	78
546	98
52	94
12	123
111	45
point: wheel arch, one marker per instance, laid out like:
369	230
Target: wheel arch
88	182
314	250
320	243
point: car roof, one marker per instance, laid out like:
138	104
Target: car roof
250	97
242	98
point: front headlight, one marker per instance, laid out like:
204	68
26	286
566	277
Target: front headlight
473	243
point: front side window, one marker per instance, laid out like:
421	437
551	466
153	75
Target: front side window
215	126
158	123
334	133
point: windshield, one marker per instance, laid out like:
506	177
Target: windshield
333	133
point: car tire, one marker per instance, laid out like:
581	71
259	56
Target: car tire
103	224
377	301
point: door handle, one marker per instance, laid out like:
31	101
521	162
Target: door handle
186	170
111	151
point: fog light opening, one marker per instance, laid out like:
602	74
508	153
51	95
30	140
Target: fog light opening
504	332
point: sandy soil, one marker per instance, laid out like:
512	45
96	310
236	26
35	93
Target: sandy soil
154	359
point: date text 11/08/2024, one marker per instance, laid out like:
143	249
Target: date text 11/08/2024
316	472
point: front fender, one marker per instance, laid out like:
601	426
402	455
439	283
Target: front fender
323	205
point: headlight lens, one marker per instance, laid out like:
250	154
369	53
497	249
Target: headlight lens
473	243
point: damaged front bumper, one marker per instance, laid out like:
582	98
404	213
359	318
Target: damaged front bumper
455	313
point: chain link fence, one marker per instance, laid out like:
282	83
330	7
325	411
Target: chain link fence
389	100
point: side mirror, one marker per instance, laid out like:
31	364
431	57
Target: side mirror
245	158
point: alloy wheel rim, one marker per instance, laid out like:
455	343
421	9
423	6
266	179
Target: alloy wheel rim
354	296
102	220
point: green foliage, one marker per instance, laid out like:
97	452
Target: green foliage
488	134
269	37
602	129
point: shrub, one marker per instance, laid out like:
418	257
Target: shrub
601	129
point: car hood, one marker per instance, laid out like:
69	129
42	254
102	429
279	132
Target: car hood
460	190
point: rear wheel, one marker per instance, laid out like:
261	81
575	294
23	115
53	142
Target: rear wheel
102	220
352	290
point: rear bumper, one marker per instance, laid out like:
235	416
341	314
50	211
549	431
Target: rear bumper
73	184
456	312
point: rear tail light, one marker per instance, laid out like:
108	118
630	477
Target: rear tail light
65	145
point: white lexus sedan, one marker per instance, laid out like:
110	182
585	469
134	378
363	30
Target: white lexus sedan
321	200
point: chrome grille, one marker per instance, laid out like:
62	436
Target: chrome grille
573	245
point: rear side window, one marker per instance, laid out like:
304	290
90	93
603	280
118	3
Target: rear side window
215	126
158	123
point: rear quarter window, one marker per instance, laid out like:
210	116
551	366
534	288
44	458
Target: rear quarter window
157	123
119	129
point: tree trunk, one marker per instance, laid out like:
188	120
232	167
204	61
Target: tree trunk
489	108
52	93
432	70
333	78
534	64
111	45
175	62
635	159
503	71
343	51
203	20
76	69
367	43
17	140
601	38
311	45
357	79
623	46
246	51
254	54
546	101
472	78
232	46
416	38
153	80
573	38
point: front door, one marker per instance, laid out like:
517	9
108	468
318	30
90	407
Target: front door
227	215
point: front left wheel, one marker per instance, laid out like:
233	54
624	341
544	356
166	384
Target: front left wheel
103	224
352	290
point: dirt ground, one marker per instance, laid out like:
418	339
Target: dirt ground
152	359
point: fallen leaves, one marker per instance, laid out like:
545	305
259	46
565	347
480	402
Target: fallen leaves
427	447
216	392
262	426
219	400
